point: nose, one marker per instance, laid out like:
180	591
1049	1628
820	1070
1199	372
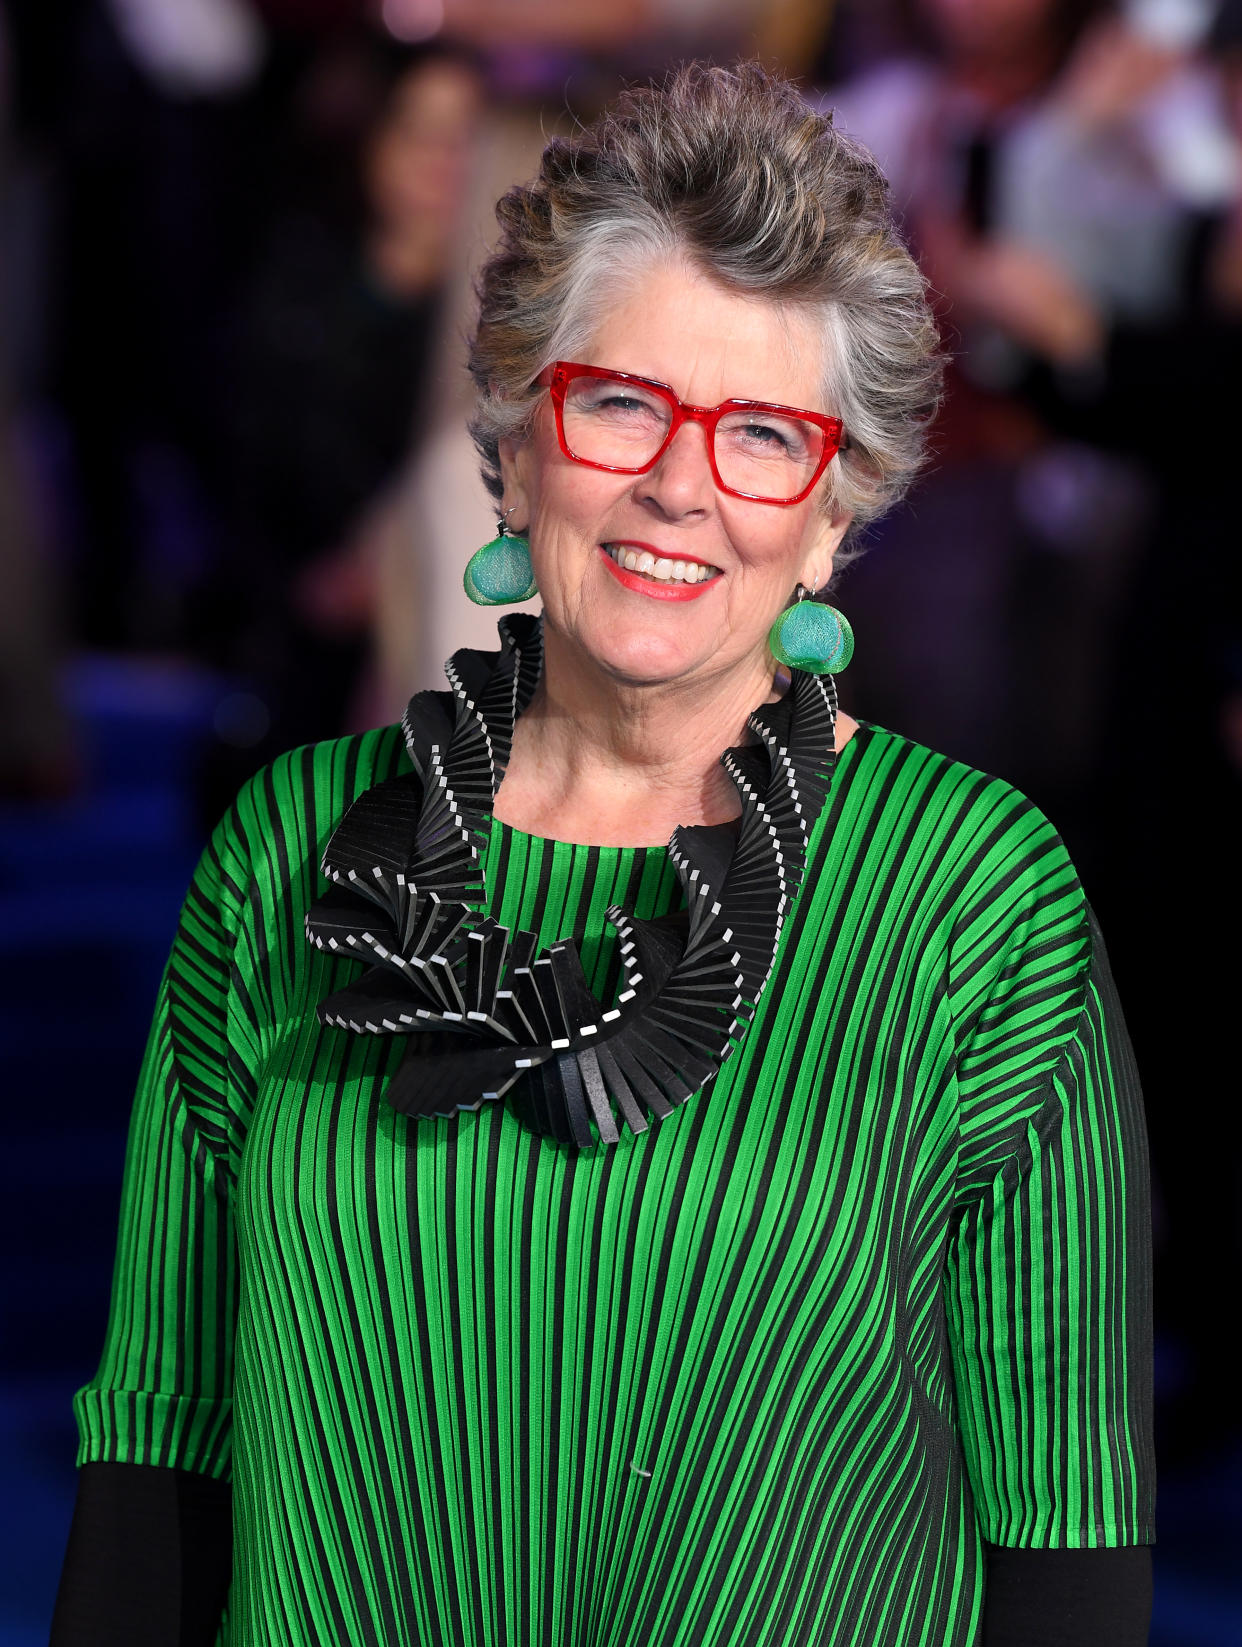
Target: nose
681	483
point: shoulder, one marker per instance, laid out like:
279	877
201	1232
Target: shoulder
986	866
935	805
275	832
962	861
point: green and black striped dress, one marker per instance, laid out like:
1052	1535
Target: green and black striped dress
766	1374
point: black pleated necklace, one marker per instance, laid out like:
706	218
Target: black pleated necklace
488	1015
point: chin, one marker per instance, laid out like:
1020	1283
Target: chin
641	658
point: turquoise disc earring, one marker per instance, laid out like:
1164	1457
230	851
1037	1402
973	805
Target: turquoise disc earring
809	635
500	573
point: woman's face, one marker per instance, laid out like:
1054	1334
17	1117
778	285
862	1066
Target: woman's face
708	345
419	158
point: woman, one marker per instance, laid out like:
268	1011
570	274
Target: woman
851	1346
335	350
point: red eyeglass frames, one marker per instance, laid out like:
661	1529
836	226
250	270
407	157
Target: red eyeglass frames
624	423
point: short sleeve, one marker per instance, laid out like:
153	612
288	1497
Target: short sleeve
163	1391
1048	1272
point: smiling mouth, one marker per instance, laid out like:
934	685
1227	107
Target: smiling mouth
659	569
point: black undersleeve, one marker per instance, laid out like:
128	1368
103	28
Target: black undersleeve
1067	1598
149	1559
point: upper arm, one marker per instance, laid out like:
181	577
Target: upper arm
1048	1272
163	1391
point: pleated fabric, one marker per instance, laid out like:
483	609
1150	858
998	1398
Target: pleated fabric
764	1375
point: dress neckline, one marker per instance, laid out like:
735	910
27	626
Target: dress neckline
499	829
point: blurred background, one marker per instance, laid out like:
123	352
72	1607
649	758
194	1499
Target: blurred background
236	498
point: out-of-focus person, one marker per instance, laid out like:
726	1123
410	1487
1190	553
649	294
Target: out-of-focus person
341	322
1030	152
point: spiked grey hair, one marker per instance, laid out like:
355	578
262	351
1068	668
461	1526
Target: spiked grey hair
730	170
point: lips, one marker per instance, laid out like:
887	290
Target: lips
660	568
663	587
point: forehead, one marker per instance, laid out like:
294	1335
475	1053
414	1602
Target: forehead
709	344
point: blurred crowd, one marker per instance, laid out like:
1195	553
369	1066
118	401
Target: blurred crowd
238	237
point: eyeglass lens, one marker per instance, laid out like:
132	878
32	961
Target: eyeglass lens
621	424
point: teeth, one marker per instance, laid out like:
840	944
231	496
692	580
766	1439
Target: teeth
663	570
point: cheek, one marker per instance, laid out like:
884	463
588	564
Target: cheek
773	551
558	491
568	509
571	505
560	520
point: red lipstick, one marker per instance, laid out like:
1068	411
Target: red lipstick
648	586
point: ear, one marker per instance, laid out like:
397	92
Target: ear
817	567
514	470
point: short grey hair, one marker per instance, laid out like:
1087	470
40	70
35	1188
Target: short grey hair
730	170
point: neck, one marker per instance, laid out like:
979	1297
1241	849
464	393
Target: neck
612	763
405	262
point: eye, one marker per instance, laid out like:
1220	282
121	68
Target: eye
615	403
760	435
763	434
620	403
